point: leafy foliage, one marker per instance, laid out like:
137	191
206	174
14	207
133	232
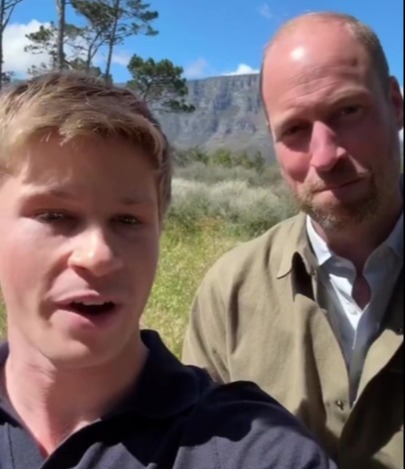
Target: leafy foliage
44	41
159	84
6	10
220	157
106	24
127	18
132	17
99	20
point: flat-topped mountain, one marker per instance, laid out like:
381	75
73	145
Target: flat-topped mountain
228	114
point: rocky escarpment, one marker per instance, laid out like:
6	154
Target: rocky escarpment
228	114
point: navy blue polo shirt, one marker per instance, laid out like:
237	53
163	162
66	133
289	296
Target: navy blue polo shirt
175	418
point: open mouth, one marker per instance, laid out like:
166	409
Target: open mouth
92	309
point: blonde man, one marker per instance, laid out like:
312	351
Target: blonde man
313	310
85	184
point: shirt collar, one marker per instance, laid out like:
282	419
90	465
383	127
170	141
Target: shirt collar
165	386
296	247
319	246
395	241
3	353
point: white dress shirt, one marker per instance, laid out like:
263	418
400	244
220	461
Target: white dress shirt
354	327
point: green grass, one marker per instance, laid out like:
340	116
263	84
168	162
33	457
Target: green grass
2	320
185	257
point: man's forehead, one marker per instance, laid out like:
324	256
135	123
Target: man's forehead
310	27
303	55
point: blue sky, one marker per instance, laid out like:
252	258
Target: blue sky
215	37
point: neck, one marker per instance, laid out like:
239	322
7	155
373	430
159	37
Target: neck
61	401
356	243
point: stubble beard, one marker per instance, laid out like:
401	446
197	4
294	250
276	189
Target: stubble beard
338	216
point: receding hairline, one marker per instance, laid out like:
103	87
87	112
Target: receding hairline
360	32
344	19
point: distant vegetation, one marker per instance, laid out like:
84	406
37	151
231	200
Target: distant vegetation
244	194
219	200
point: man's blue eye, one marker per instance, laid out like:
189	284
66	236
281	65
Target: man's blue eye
293	130
52	217
349	110
128	220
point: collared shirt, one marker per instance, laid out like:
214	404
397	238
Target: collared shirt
356	328
175	418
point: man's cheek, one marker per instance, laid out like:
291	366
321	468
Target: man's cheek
295	168
17	273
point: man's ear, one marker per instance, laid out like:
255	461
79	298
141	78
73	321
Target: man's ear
397	101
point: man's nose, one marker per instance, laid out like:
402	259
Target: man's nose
325	151
94	253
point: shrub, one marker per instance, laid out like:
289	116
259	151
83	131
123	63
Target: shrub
246	209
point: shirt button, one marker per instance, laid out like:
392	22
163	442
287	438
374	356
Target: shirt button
340	404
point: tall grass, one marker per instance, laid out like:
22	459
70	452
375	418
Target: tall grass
2	320
185	257
242	208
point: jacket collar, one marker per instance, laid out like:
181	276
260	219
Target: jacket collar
296	247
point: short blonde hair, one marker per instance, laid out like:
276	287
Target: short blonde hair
74	104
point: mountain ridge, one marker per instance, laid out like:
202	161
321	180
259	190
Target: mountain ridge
228	114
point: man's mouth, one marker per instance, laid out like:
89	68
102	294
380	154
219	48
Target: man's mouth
338	185
91	308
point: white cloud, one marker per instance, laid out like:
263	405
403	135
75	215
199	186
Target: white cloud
121	58
242	69
14	41
197	69
19	61
264	10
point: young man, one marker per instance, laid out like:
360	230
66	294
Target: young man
85	184
313	310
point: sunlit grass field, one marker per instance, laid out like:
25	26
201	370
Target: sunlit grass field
185	256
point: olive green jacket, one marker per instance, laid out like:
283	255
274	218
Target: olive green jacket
255	318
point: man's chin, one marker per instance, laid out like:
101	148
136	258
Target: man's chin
75	355
338	217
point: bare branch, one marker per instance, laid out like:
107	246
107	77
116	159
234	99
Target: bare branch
8	9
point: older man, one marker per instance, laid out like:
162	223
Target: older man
313	310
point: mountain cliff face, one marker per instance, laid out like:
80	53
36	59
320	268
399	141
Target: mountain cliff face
228	115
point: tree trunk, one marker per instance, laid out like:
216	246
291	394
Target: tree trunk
61	5
112	41
2	15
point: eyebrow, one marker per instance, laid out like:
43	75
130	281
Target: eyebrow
65	194
297	110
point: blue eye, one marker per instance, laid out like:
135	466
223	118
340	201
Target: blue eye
349	110
293	130
129	220
53	217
